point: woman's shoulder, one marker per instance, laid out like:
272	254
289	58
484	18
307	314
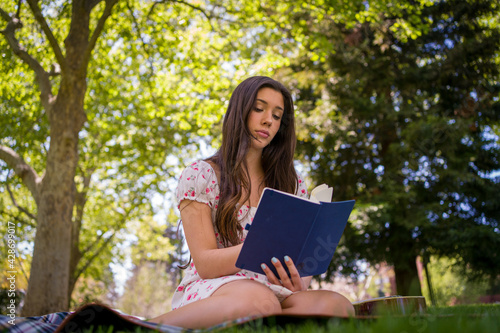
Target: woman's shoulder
196	165
198	182
198	169
206	165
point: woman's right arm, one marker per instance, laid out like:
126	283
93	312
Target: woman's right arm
210	261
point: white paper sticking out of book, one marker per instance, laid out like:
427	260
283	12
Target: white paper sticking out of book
321	193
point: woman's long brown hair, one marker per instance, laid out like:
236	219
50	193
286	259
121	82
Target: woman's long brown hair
277	157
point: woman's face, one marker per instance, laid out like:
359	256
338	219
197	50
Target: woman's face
265	118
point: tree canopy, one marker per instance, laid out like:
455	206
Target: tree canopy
98	94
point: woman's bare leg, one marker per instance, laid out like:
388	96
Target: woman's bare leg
318	302
233	300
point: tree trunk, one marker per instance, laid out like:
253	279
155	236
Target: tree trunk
49	276
428	278
75	253
407	282
404	259
50	269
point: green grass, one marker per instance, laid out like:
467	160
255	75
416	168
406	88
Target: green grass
472	318
469	318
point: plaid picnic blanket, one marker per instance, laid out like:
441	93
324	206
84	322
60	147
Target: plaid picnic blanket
87	317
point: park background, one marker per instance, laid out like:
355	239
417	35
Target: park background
104	102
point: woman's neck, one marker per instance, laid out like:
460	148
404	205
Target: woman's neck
256	173
254	163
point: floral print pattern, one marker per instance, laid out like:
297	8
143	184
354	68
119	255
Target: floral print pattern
198	182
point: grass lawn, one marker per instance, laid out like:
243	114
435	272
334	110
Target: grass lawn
470	318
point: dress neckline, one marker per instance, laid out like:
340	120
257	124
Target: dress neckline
247	206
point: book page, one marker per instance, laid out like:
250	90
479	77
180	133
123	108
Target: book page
285	193
322	193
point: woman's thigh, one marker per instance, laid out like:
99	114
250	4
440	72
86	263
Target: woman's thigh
318	302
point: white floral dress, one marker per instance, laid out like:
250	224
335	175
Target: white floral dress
198	182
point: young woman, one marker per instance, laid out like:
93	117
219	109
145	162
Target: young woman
218	196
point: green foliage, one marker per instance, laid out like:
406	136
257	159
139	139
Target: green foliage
148	292
450	286
397	111
88	290
151	243
157	83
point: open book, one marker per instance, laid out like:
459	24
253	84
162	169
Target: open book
308	231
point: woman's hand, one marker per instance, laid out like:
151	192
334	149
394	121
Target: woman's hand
293	282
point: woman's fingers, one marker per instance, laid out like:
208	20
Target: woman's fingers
270	275
292	281
294	273
285	280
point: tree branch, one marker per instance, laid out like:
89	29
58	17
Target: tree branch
81	196
103	245
98	29
146	49
22	269
96	253
4	15
119	224
91	245
13	23
14	202
80	201
197	8
17	218
90	4
201	10
19	3
27	174
46	29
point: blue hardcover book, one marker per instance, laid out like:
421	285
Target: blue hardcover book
308	231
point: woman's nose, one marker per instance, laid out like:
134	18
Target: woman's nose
267	118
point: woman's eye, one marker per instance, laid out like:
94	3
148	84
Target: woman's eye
276	117
257	109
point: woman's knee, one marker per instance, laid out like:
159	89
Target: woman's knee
334	304
318	302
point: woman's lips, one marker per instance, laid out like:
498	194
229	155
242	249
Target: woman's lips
263	134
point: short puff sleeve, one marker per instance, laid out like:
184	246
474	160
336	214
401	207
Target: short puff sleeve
301	188
198	182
